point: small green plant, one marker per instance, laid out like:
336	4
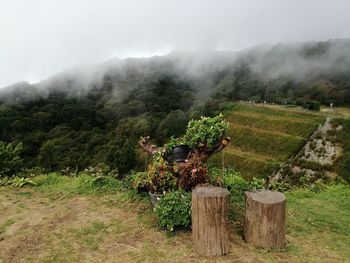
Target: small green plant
174	142
174	210
279	186
139	180
160	176
206	131
16	182
101	169
234	182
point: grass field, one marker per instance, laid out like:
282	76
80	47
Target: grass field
264	136
72	219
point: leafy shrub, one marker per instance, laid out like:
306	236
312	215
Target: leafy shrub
279	186
16	182
10	159
205	132
312	105
234	182
160	176
174	210
139	180
101	169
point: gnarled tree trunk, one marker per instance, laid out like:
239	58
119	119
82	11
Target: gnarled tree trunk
193	171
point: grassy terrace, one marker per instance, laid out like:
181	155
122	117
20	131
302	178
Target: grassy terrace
265	136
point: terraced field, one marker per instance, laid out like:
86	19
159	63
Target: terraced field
265	136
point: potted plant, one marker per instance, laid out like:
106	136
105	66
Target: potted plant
161	178
203	138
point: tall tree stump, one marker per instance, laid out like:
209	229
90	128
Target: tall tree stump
265	217
210	231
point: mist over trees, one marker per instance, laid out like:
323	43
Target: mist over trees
82	117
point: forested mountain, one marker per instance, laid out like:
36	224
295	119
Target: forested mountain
81	117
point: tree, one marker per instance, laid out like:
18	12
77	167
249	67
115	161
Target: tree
174	124
56	153
10	158
121	154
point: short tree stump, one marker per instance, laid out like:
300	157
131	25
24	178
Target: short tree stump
265	219
210	231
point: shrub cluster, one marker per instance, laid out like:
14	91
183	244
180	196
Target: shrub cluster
174	210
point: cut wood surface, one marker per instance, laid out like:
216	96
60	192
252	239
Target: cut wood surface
264	224
210	231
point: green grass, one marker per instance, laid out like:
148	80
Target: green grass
278	146
322	218
279	111
248	164
89	236
342	165
82	184
299	127
318	225
264	136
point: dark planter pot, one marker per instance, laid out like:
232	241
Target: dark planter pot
155	198
178	154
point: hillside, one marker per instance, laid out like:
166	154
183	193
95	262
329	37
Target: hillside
94	111
264	137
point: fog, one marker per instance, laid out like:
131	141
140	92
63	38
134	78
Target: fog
42	37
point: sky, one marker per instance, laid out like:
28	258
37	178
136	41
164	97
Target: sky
39	38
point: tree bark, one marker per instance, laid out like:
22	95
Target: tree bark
193	171
210	231
264	224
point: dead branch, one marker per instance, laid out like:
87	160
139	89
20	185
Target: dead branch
147	146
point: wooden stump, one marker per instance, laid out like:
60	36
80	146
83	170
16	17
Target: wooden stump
210	230
265	217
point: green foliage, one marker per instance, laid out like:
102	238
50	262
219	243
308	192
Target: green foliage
342	165
10	159
160	176
174	210
303	127
206	131
121	154
169	146
312	105
20	182
58	154
99	170
281	146
174	124
321	216
50	179
77	125
139	180
16	182
81	184
264	137
234	182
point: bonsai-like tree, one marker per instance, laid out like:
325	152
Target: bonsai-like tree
204	137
